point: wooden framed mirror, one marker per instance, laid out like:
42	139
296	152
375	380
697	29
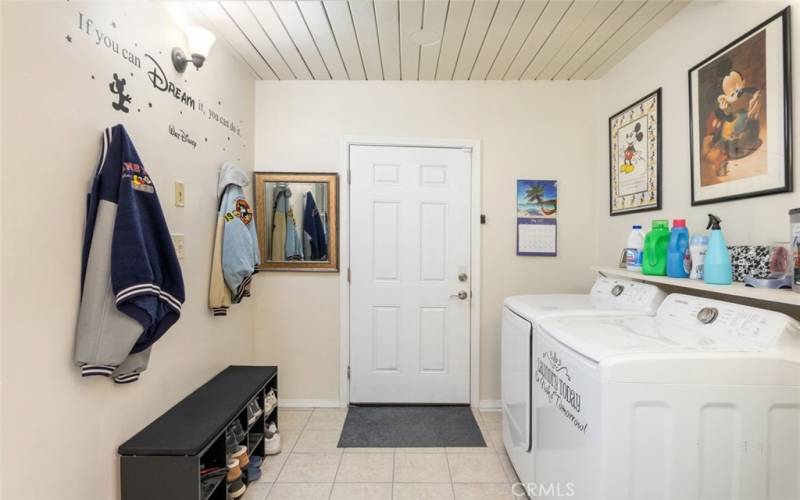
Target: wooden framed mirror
297	221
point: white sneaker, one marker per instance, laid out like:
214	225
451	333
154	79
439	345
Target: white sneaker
270	402
256	408
271	430
272	445
251	416
253	412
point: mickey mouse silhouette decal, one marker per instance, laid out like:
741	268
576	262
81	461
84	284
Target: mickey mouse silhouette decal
117	87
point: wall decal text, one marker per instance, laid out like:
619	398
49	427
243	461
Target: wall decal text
182	136
160	82
158	77
99	38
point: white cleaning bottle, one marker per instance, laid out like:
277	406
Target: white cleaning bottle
697	248
633	249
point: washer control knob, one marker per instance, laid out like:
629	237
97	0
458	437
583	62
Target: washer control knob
707	315
617	290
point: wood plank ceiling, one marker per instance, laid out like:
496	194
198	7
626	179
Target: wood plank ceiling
433	39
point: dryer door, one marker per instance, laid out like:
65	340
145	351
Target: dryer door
517	389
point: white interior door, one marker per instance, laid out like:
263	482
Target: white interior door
409	260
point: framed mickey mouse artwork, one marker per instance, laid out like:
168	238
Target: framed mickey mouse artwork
635	156
741	116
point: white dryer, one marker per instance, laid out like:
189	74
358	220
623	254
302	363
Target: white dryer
701	401
520	315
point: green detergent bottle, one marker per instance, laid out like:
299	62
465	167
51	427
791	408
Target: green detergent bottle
656	243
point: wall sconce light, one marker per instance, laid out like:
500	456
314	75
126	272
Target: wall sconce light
199	41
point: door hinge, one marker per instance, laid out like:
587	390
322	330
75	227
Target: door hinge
348	275
348	372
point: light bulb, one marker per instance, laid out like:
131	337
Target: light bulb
199	40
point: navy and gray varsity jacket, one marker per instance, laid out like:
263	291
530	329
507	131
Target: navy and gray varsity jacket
131	282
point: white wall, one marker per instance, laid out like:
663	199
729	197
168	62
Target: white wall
663	60
527	130
2	441
60	432
52	117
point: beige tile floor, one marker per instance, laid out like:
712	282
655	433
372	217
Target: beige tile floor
311	467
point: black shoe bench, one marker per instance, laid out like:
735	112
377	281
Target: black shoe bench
164	460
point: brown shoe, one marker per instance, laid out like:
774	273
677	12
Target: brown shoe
241	456
234	471
237	488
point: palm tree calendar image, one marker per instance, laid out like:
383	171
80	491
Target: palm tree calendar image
537	207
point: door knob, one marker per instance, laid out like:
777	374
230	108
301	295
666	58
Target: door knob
462	295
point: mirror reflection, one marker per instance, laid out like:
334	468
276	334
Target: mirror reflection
297	221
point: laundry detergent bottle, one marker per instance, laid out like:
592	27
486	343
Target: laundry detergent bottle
633	249
654	258
678	247
717	269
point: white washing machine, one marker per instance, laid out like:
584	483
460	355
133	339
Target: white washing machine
520	315
701	401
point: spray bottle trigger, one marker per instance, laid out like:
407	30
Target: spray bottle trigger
713	222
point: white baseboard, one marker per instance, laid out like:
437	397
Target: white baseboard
484	404
310	403
490	404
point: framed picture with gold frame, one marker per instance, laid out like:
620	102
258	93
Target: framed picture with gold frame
297	221
740	116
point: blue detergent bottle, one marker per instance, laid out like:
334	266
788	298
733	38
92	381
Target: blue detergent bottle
676	251
717	269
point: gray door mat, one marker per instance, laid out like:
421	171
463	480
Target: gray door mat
410	427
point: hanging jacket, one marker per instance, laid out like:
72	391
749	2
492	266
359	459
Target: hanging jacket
219	297
236	251
277	241
131	281
316	240
286	244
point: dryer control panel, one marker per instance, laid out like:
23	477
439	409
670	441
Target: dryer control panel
619	294
727	322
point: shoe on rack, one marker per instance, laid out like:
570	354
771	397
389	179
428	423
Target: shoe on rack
252	473
212	471
231	443
209	484
253	412
241	456
236	429
272	440
270	402
251	415
210	478
256	408
234	471
256	461
237	488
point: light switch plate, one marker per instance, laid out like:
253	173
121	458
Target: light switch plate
180	194
177	242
